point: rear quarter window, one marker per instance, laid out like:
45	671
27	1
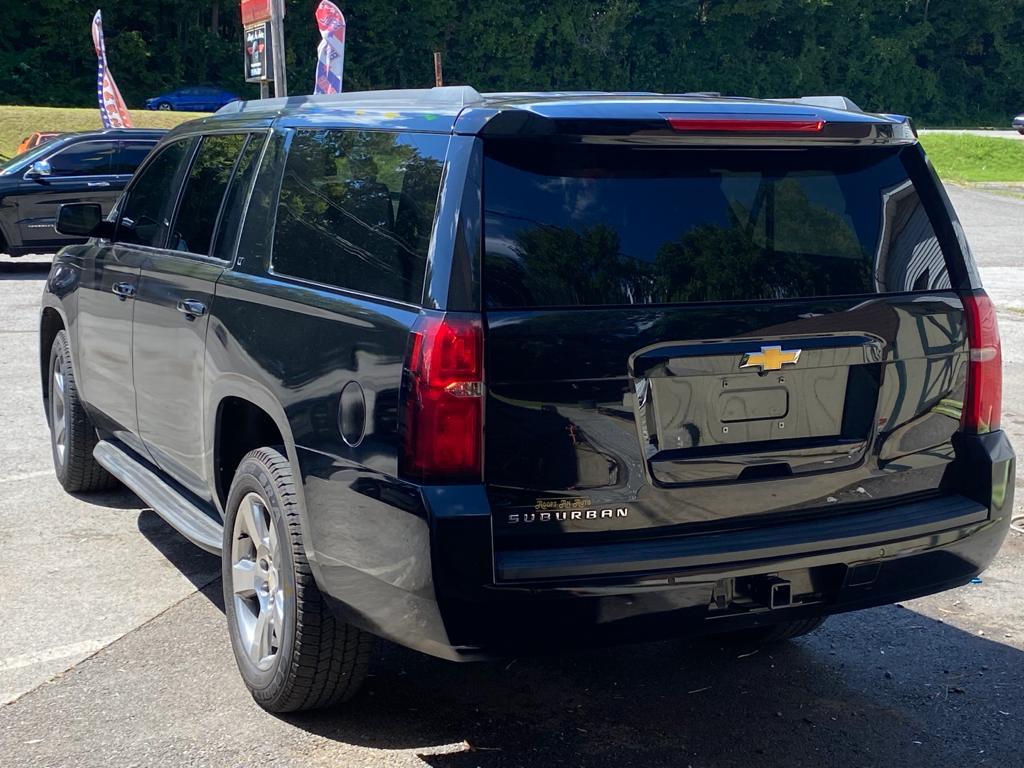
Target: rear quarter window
356	209
599	225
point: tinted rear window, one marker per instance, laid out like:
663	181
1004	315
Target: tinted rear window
601	225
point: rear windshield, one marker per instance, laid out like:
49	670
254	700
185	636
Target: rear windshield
585	225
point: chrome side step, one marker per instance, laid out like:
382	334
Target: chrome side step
180	513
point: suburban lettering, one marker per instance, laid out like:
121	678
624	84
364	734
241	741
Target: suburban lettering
559	515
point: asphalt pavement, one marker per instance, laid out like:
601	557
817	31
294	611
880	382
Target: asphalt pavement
113	650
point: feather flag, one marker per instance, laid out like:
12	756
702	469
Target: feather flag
330	54
113	112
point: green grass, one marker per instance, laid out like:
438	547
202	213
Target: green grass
969	158
18	122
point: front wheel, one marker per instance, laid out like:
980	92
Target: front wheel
292	651
163	106
72	434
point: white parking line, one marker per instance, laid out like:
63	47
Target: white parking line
83	648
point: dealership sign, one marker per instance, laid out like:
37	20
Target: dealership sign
255	11
259	64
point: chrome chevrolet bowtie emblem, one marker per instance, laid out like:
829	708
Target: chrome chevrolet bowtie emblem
770	358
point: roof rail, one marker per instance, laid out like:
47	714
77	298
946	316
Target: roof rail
453	96
830	102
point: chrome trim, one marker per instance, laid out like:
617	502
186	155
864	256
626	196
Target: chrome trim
180	513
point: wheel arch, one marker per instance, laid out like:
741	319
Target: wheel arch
243	415
51	322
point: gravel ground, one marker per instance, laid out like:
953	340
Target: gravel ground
113	649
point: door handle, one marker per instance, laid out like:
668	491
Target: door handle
191	308
98	183
123	290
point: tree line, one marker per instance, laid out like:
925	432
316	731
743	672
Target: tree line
945	62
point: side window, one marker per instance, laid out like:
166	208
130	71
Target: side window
89	158
146	211
258	223
130	156
204	189
356	210
231	218
909	256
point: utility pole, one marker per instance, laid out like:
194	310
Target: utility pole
277	40
438	77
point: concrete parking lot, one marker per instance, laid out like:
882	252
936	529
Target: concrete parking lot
113	650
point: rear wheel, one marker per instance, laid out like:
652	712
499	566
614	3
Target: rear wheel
163	106
292	651
72	434
773	633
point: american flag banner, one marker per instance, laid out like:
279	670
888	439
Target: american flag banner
330	54
113	112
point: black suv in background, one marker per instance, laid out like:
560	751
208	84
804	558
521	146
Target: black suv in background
486	374
91	167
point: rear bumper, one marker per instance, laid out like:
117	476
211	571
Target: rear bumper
746	548
707	599
480	603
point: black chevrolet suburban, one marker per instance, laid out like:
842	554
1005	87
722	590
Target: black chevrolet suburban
490	374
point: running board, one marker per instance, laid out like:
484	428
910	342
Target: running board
180	513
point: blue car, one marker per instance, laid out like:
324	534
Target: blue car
197	99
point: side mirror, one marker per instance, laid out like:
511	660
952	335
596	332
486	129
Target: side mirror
37	169
83	220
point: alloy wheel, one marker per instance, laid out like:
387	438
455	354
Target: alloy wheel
256	582
58	412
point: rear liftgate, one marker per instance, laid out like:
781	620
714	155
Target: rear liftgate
743	410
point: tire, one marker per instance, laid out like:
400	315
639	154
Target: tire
163	106
300	656
773	633
72	434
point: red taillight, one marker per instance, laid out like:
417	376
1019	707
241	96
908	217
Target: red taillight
984	397
442	437
709	123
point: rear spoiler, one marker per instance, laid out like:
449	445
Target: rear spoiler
665	122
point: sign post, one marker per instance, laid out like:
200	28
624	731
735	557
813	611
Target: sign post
262	21
277	32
